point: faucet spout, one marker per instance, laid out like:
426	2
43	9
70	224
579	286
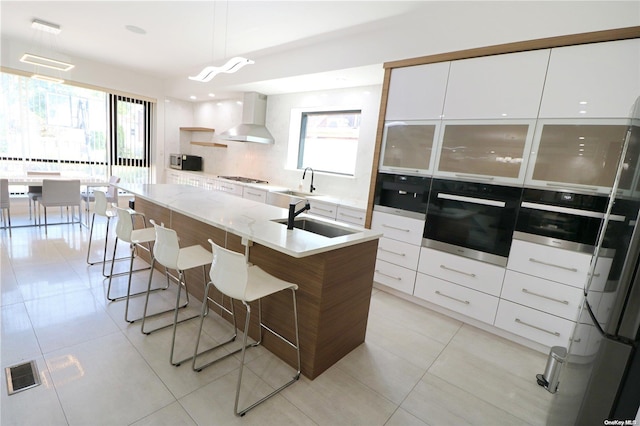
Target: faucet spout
293	213
311	187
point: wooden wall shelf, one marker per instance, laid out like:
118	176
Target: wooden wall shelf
197	129
212	144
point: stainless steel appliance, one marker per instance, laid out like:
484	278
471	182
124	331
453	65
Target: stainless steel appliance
185	162
243	179
474	220
403	195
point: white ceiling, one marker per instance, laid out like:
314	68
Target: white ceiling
299	45
184	36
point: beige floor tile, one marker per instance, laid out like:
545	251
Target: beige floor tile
402	417
19	342
171	415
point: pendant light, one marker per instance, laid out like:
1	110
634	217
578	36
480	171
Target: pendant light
40	61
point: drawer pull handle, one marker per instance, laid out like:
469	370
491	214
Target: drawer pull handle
392	252
458	271
253	193
564	302
578	340
566	268
351	216
466	302
324	210
387	275
554	333
393	227
226	188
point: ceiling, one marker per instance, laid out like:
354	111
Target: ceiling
181	37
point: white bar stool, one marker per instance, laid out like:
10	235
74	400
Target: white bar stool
137	239
167	252
101	209
233	276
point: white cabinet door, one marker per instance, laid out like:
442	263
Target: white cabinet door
398	253
592	80
255	194
228	187
351	215
460	299
544	295
324	209
499	86
460	270
399	228
532	324
551	263
417	92
394	276
173	177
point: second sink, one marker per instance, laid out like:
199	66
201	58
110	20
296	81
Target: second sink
317	227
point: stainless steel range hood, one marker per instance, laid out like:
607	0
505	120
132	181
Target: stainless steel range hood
252	129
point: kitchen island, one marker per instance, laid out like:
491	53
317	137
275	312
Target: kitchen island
334	274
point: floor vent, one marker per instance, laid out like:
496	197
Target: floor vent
21	377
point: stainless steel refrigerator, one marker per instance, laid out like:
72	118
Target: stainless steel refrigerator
599	381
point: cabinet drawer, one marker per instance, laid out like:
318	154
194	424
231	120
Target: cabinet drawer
532	324
460	299
460	270
394	276
229	188
544	295
321	208
351	215
398	253
551	263
399	228
259	195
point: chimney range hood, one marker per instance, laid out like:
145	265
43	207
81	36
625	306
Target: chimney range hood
252	129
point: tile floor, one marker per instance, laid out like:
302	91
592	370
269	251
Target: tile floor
417	367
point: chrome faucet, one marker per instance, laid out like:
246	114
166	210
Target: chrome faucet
293	213
311	187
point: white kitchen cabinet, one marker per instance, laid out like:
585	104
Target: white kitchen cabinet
398	253
532	324
255	194
394	276
577	153
351	215
183	178
417	92
173	176
470	273
498	86
547	296
228	187
323	208
466	301
592	80
485	150
406	229
551	263
408	146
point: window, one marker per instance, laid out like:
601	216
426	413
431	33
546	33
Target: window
329	141
59	127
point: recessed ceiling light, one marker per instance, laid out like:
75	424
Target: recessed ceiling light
583	102
192	97
583	111
212	95
136	30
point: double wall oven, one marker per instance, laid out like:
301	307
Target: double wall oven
471	219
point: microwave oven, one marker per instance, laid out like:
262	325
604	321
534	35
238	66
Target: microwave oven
185	162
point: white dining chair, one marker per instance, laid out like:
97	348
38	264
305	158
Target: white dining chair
60	193
236	278
35	191
5	203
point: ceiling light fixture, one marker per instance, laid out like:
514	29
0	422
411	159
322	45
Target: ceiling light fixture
41	61
232	65
47	78
46	26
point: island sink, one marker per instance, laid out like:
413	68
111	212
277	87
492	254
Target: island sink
317	227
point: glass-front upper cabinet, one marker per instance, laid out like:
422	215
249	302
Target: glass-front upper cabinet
485	150
417	92
408	146
577	154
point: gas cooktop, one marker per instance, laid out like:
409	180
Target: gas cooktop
243	179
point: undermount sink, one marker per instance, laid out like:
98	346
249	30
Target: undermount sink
317	227
296	193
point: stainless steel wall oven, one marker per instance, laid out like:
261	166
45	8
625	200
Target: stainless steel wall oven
402	194
474	220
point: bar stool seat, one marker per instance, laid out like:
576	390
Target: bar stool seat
234	277
167	252
137	239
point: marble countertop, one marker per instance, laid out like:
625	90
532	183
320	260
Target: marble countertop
248	219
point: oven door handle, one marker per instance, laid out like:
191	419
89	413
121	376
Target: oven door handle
568	210
473	200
